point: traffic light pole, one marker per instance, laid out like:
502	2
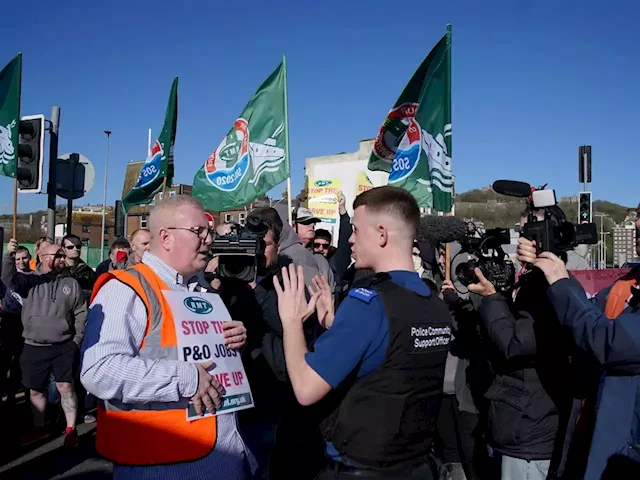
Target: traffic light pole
52	187
585	166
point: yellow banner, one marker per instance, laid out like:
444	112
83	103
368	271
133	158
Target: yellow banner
322	198
363	183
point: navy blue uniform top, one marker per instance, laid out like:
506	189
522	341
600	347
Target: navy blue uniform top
360	332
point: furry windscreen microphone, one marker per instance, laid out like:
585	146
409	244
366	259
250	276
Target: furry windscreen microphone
436	229
512	188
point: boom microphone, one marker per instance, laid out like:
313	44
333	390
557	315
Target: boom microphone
512	188
438	230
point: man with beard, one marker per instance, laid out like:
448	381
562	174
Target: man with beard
54	311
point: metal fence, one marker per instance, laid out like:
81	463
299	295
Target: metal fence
91	255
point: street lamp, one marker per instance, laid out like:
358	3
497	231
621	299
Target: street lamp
104	202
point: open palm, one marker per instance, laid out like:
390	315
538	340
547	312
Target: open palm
293	306
324	304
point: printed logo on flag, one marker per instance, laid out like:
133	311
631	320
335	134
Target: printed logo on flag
151	168
7	150
392	130
228	164
408	153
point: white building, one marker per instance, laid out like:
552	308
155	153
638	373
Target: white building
624	244
346	167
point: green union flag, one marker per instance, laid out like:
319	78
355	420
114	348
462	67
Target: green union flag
414	143
159	164
254	156
10	80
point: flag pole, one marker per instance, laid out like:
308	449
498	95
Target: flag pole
286	138
447	248
15	208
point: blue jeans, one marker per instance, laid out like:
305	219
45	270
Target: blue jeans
519	469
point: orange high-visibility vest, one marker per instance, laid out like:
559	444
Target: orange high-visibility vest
620	294
151	433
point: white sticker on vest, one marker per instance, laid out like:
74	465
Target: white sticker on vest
199	320
430	337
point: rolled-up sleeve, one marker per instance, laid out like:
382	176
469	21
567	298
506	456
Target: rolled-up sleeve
111	367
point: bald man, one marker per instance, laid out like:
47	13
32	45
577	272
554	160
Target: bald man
139	241
54	311
131	362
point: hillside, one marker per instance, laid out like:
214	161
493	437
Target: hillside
501	211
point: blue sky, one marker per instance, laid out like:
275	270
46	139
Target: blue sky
532	80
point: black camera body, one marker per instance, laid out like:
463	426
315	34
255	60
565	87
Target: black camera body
241	252
553	233
484	251
559	238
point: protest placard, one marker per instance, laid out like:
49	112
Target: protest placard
199	319
363	183
322	198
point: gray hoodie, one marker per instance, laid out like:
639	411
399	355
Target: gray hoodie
54	309
313	263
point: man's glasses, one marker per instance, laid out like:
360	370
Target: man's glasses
72	246
202	232
323	246
59	255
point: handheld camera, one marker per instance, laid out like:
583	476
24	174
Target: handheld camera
241	252
546	222
484	251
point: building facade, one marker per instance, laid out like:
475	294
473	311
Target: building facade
624	244
86	223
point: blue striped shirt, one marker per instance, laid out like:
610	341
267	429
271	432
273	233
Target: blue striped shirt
112	369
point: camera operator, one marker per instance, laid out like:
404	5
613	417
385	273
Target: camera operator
531	395
296	453
382	360
608	328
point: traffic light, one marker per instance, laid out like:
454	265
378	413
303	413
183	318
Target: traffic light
31	154
584	207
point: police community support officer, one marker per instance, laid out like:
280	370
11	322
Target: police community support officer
384	353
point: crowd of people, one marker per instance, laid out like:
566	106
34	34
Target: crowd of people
364	360
44	312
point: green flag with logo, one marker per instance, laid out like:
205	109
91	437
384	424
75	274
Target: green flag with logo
10	80
159	165
254	156
414	143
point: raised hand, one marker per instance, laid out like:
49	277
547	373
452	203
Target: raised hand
292	302
324	304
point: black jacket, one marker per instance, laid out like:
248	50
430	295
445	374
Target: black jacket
84	274
531	395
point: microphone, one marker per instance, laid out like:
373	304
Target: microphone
512	188
435	229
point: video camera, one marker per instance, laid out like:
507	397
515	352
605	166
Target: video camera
484	251
553	233
241	252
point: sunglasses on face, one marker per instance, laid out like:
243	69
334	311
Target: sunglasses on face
324	246
72	246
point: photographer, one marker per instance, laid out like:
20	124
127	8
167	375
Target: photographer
607	327
531	395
